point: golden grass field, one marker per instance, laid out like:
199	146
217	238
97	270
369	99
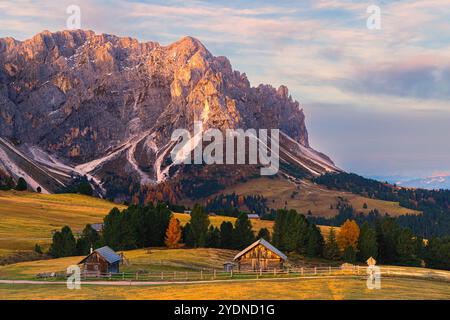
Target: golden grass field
310	196
156	259
325	289
27	218
169	260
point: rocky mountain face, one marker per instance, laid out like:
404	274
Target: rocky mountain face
77	103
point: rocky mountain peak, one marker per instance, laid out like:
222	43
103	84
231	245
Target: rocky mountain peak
106	105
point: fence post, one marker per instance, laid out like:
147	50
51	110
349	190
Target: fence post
301	270
214	274
329	268
137	275
110	276
162	275
186	275
274	271
201	274
231	273
315	270
357	270
174	275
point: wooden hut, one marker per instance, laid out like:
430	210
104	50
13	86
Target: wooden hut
101	261
228	266
260	255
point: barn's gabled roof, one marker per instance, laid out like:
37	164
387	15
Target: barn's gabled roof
106	253
265	244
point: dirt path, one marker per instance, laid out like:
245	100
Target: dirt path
155	283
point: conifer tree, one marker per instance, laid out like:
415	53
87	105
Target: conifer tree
243	233
331	250
63	244
367	243
199	226
21	185
349	254
263	233
315	242
226	235
213	237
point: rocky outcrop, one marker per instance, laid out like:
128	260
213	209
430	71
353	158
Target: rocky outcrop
106	105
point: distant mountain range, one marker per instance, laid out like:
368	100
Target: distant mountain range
436	181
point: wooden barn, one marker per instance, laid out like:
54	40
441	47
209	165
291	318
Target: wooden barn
260	255
101	261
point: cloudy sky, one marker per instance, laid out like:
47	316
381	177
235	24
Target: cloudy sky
376	101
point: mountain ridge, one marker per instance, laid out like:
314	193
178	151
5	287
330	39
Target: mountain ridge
81	103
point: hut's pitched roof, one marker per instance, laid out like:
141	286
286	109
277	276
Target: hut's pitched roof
265	244
106	253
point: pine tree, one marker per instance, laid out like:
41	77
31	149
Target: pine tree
367	244
331	250
37	248
243	233
315	242
263	233
21	185
226	235
278	229
63	244
199	226
437	253
111	228
349	254
213	237
173	234
187	235
406	248
388	233
69	242
89	238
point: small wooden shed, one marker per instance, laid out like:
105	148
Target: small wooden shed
260	255
228	266
101	261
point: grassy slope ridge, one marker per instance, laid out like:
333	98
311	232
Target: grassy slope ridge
310	197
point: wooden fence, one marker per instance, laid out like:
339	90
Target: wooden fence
214	274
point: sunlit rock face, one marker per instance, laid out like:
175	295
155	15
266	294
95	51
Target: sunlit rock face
107	105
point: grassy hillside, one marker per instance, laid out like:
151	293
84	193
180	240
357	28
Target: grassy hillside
337	289
27	218
306	196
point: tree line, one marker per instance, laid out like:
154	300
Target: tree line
434	204
155	226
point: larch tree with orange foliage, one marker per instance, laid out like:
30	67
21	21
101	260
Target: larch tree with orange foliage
173	234
348	235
